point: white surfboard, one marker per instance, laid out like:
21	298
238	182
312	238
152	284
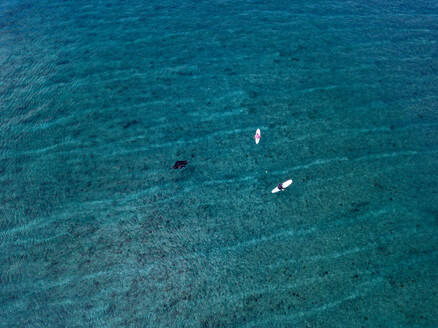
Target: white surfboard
257	136
284	184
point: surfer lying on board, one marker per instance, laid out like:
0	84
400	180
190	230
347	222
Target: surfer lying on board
282	186
257	136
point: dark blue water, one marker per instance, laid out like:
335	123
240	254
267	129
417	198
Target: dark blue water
98	99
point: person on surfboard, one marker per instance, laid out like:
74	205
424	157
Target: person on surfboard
257	136
282	186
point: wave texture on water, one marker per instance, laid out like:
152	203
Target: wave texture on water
97	102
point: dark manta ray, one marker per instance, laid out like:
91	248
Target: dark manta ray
179	164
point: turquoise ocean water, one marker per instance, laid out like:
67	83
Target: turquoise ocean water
98	99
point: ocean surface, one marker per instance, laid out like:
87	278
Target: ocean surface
98	99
